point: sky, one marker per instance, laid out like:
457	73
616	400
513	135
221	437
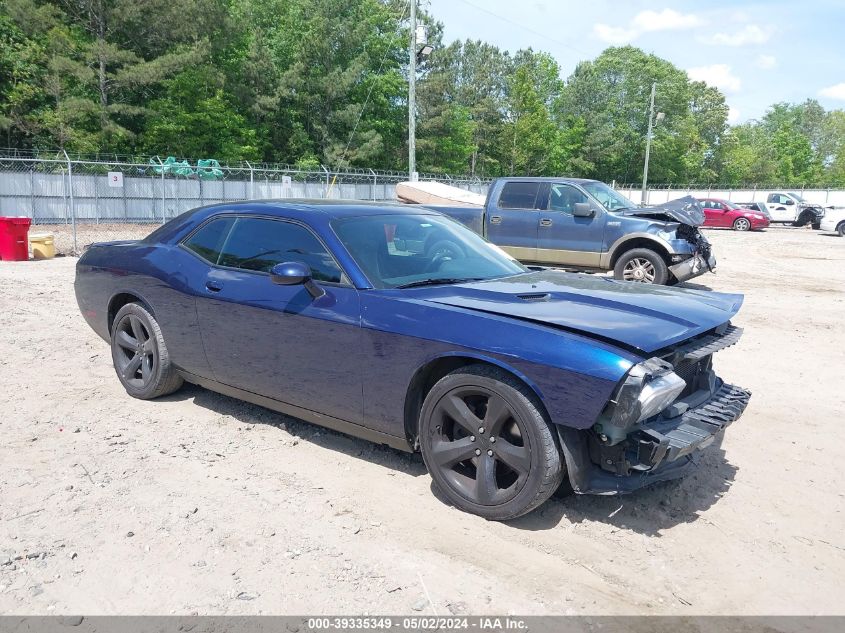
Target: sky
756	53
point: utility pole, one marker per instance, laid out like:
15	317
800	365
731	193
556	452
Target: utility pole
412	95
648	143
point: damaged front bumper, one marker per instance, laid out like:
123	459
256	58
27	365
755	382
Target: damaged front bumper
696	265
632	445
658	451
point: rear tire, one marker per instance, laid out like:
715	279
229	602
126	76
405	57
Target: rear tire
641	265
841	229
488	445
140	356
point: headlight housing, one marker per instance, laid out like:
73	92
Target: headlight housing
648	389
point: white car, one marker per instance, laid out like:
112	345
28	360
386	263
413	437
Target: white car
834	221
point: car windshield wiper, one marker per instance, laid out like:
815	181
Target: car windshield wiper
439	280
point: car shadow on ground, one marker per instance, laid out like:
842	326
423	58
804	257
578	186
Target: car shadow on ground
648	511
247	413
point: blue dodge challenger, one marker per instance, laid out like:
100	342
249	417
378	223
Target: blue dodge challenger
401	326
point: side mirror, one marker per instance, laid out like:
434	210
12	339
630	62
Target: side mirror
295	274
582	210
790	201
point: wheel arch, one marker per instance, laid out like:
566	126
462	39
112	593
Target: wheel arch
436	368
122	298
638	241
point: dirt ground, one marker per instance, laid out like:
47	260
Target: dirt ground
201	503
87	233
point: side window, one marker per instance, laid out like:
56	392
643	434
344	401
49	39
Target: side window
208	241
772	199
564	197
718	206
519	195
259	244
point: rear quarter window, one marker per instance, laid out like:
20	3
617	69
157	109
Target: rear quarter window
207	242
519	195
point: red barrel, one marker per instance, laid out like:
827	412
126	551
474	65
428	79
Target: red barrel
14	245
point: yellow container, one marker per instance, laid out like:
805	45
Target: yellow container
42	245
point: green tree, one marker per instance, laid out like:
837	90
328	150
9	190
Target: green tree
96	85
195	119
21	83
532	133
832	148
611	95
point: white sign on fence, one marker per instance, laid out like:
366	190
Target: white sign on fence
116	179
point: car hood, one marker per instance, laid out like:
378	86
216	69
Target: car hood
639	316
686	210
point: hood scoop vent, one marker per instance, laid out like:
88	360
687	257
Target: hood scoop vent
534	296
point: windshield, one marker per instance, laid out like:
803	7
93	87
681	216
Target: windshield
401	250
609	198
797	197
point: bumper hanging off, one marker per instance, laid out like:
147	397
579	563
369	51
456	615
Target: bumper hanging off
657	451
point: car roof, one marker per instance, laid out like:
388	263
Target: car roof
325	207
316	211
565	179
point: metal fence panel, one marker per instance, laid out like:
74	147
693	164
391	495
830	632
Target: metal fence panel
83	200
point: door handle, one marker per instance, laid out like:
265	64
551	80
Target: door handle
213	286
495	219
546	222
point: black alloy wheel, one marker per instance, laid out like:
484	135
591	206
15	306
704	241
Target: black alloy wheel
140	357
487	444
480	448
135	359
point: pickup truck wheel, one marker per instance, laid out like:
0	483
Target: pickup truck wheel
642	265
816	226
140	356
841	229
488	445
741	224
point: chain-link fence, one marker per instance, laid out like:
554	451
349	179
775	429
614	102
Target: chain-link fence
657	193
85	199
90	199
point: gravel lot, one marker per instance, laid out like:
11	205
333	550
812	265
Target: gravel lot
200	503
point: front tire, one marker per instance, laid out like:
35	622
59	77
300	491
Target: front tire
487	444
742	224
804	219
841	229
140	356
642	265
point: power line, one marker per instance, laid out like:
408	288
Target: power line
372	85
523	27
